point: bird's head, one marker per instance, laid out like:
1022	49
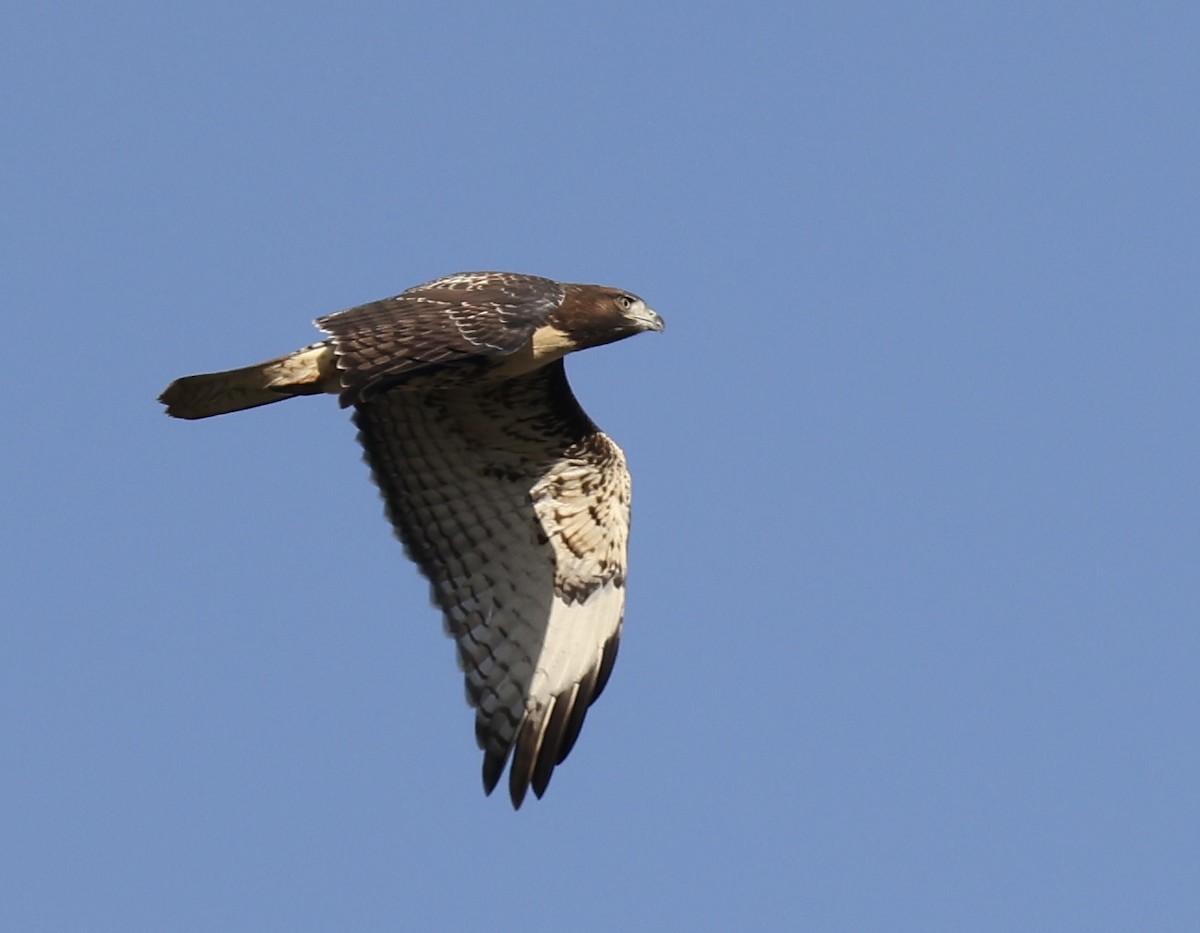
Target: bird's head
634	314
594	315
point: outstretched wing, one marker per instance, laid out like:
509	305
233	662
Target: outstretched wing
453	320
516	508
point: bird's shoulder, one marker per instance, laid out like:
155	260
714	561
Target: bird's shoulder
455	322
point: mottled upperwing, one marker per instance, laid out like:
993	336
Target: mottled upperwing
428	328
516	508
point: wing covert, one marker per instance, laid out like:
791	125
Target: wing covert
447	322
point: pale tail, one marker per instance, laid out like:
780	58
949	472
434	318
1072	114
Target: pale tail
310	371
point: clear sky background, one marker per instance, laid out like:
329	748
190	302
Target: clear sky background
912	635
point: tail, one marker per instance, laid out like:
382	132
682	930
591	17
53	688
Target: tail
310	371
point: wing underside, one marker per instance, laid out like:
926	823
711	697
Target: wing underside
516	508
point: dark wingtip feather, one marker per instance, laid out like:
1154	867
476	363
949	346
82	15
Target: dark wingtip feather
556	725
493	768
574	723
589	691
525	752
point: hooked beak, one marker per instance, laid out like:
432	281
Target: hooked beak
645	318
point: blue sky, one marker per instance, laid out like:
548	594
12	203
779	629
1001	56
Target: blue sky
911	641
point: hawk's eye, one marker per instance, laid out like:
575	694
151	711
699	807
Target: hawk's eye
624	302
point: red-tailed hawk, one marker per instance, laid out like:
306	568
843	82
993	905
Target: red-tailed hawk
511	501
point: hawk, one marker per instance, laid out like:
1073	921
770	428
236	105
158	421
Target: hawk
510	500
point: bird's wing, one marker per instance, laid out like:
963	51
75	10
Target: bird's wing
516	508
448	322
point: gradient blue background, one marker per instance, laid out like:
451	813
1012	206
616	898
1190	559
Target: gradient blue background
912	637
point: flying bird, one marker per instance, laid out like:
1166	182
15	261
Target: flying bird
510	500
